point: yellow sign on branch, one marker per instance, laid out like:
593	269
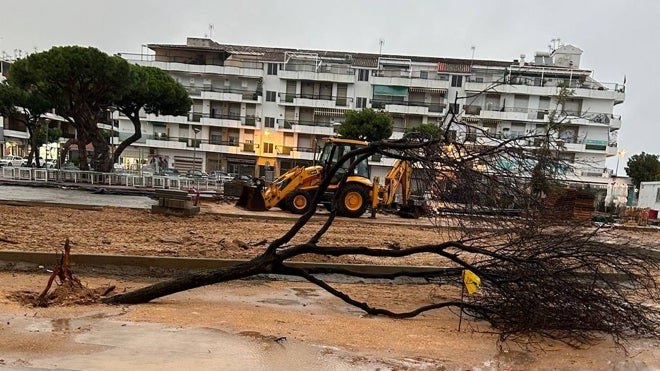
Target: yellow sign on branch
472	281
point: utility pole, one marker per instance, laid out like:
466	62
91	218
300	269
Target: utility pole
196	130
619	154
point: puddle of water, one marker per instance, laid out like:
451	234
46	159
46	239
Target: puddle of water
304	292
128	345
277	301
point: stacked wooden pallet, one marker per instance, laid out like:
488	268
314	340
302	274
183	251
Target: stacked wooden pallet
571	203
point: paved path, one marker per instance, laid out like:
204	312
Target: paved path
72	196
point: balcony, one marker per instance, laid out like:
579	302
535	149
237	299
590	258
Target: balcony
284	150
303	153
220	146
549	86
418	79
407	107
229	120
165	118
248	147
334	73
315	100
305	127
495	112
611	150
231	95
186	65
22	134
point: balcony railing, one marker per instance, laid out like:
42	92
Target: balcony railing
245	94
334	69
539	114
288	124
574	83
192	60
381	103
245	120
425	75
339	101
190	142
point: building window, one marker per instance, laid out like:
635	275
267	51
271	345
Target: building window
269	122
272	68
454	107
360	102
271	96
456	81
363	75
423	74
216	139
268	147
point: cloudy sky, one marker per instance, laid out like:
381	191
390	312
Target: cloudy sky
619	38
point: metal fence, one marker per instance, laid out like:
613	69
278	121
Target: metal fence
128	179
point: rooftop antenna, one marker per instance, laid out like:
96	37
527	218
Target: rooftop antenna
380	43
210	30
473	49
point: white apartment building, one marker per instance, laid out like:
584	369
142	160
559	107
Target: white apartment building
260	110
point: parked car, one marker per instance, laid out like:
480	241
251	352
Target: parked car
169	171
11	160
42	162
220	176
51	163
245	179
196	174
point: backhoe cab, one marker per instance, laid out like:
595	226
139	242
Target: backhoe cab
294	190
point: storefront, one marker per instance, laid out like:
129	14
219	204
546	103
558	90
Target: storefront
243	165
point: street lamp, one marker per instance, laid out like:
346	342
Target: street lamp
196	130
619	154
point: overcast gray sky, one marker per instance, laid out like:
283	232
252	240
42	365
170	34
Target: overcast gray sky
618	37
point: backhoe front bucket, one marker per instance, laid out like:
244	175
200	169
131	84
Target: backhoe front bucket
251	199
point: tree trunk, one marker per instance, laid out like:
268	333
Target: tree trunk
33	145
256	266
137	134
101	160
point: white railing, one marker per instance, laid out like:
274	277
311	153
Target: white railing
136	180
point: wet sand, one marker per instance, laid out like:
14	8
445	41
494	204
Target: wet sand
271	325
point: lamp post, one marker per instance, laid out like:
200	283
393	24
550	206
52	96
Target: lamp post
196	130
619	154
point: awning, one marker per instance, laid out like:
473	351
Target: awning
333	112
54	117
242	160
427	90
452	67
398	91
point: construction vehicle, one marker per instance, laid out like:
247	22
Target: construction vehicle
295	190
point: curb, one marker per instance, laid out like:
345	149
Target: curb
149	263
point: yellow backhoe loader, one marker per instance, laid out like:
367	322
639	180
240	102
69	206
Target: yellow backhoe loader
294	190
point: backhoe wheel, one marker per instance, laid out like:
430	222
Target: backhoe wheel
353	201
298	202
283	205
